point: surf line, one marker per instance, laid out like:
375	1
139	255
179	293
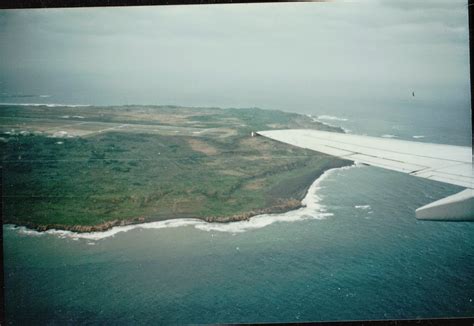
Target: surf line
312	209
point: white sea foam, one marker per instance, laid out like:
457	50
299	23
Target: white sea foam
24	230
419	136
119	229
364	207
312	209
50	105
389	136
324	123
330	117
329	124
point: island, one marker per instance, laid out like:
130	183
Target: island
89	168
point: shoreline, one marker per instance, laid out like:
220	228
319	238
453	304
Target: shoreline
318	120
106	226
249	220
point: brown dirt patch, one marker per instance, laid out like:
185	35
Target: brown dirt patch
262	157
224	132
258	143
200	146
232	173
255	184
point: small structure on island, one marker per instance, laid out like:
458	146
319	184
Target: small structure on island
254	134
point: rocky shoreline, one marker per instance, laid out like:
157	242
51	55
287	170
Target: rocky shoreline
288	205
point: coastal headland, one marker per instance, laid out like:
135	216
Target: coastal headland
91	168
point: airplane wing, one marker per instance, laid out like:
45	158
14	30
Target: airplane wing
444	163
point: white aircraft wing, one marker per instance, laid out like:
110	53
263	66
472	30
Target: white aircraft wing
444	163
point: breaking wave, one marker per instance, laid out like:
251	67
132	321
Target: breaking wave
49	105
331	117
329	124
313	209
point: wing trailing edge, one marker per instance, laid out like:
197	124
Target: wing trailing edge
444	163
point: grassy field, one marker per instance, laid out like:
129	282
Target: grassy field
86	166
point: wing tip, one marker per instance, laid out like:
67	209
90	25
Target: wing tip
457	207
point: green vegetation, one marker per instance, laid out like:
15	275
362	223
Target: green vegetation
152	163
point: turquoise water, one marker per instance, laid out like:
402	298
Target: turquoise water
365	257
373	261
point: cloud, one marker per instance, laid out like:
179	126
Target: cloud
284	55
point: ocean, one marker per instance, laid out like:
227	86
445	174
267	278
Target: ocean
355	252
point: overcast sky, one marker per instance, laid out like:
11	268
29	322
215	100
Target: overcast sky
285	56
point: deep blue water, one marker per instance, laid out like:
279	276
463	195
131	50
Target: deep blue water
370	259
